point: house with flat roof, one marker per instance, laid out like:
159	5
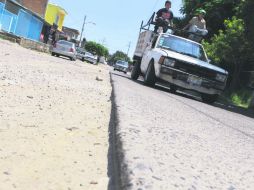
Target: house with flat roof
55	16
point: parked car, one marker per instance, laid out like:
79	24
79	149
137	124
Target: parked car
121	66
89	57
64	48
81	54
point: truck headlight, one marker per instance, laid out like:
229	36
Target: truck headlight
169	62
221	77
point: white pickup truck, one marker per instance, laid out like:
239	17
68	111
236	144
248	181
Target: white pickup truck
178	63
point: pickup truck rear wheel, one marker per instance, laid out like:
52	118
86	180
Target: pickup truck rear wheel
135	71
149	78
210	99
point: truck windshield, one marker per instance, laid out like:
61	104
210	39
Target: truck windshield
182	46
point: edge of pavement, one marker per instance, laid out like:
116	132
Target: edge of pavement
120	178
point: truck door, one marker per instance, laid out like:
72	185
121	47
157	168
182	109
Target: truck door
145	59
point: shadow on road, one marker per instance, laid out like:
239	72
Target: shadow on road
193	96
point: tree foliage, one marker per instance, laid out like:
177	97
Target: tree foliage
226	50
119	55
230	41
96	48
217	12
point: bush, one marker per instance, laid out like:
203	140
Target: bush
241	98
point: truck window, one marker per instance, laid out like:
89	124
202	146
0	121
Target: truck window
182	46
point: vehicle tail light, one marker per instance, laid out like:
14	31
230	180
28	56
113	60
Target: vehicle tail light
71	50
161	61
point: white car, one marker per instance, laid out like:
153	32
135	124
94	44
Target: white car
65	49
179	63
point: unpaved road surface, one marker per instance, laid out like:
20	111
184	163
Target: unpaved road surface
176	142
54	118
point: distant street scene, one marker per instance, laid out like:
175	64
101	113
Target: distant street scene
126	95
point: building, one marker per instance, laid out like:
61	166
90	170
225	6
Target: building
55	16
19	20
37	6
70	33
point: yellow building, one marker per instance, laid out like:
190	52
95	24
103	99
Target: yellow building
55	15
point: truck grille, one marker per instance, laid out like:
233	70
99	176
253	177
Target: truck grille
196	70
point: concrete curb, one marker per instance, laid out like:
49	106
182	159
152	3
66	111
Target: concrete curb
26	43
11	38
121	177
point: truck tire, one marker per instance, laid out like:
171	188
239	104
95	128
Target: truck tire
135	71
210	99
150	78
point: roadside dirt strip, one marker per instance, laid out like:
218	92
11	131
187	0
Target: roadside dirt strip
54	118
168	141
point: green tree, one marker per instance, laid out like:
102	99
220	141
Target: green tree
226	50
97	49
217	12
119	55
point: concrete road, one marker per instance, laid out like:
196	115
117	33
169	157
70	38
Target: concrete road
174	141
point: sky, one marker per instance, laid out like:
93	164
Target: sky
117	21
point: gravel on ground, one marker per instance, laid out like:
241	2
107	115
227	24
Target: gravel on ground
54	118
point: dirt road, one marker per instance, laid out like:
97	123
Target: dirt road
54	117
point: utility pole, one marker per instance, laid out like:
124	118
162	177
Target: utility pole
82	30
129	45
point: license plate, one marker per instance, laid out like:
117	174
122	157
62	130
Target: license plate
194	80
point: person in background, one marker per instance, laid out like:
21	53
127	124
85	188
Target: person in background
164	18
53	36
197	25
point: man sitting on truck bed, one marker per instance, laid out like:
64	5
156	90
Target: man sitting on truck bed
164	18
197	25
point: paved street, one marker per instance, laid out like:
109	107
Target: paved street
54	118
177	142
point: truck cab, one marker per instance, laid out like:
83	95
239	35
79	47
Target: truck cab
177	62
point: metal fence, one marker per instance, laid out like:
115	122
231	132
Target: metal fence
23	24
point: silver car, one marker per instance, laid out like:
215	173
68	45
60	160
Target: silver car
90	58
121	66
81	54
64	48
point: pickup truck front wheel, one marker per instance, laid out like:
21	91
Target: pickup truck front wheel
149	78
210	99
135	71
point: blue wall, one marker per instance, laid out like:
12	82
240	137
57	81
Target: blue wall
24	24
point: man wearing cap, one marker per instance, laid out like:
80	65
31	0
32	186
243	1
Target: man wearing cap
197	24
